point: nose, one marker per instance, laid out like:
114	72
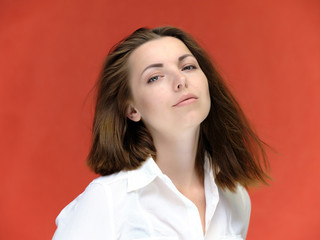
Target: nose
180	82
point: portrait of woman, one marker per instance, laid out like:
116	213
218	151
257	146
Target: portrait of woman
160	120
175	152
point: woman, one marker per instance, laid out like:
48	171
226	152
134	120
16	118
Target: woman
173	147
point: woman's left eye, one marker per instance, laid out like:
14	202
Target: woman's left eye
153	79
189	67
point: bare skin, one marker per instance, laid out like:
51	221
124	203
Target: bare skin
171	96
178	162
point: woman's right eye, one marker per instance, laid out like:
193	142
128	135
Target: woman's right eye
153	79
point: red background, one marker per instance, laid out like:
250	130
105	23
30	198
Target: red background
51	53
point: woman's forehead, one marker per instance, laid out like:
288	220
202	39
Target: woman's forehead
157	51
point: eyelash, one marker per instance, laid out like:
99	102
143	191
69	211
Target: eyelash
153	79
186	68
192	66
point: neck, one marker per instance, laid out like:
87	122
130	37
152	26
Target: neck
176	157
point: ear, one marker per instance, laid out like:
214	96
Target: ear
133	114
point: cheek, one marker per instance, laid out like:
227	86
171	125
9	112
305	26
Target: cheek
151	104
145	106
205	91
205	85
202	85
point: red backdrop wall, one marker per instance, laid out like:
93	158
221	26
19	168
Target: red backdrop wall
51	54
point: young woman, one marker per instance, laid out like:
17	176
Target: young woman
174	149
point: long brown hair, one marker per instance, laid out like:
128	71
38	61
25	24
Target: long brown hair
236	153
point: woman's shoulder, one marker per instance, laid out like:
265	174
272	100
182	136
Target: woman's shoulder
238	206
110	181
232	215
100	188
239	200
92	210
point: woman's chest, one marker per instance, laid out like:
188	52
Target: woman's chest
158	214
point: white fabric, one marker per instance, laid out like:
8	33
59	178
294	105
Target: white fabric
145	204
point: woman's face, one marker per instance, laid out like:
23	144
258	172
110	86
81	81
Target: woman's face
169	90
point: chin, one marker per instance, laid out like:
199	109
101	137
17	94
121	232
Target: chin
194	120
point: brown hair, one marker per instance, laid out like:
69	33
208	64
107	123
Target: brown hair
236	153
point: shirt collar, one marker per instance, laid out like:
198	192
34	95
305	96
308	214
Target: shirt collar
144	175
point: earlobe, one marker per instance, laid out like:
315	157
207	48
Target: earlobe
133	114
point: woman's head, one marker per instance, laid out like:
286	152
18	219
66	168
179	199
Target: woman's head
122	126
169	91
116	139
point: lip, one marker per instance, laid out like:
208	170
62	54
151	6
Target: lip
185	100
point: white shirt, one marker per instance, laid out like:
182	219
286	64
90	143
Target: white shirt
145	204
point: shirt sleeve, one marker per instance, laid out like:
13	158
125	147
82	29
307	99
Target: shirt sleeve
89	216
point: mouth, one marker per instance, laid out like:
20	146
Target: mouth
185	100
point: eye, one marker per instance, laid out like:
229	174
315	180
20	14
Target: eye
189	67
153	79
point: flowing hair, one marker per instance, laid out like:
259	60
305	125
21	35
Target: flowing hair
236	153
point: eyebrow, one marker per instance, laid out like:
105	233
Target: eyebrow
156	65
159	65
184	56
